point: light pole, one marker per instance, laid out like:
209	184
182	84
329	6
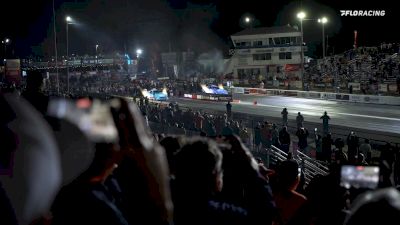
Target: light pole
5	42
301	16
97	61
55	46
138	53
68	21
323	20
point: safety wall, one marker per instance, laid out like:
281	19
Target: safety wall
374	99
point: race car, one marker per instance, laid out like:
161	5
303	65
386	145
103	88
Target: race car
158	95
214	89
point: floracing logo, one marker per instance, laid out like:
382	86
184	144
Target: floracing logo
362	12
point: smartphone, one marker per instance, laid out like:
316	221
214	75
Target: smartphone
93	118
359	177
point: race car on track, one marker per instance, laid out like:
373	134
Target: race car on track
157	95
214	89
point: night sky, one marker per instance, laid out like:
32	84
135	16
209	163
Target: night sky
158	25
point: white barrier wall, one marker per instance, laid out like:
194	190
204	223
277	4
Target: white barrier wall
374	99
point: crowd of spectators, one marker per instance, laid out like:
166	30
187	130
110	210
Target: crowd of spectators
369	66
143	178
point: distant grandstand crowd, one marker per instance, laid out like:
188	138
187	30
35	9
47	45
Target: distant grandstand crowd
369	66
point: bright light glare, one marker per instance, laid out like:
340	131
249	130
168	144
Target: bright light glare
323	20
139	51
145	93
68	19
206	89
301	15
247	19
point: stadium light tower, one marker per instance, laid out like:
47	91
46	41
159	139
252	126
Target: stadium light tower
139	52
248	21
68	20
302	16
322	21
5	42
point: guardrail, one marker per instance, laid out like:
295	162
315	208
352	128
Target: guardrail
373	99
310	167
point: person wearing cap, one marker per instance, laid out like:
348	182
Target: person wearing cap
325	122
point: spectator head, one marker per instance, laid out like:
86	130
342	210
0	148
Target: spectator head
198	164
377	207
325	113
284	128
299	113
34	80
105	160
171	146
288	175
341	157
366	141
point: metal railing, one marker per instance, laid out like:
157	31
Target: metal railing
310	167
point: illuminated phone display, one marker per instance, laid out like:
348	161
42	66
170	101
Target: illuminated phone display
359	176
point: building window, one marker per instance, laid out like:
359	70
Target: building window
256	71
241	73
271	41
277	41
257	43
285	55
263	56
243	44
293	40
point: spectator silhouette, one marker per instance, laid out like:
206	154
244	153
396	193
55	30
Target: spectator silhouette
33	93
284	114
284	139
352	147
229	110
299	120
377	207
302	135
243	183
288	201
325	122
327	142
97	205
198	178
365	149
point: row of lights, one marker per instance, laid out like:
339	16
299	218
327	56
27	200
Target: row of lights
323	20
69	20
5	41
